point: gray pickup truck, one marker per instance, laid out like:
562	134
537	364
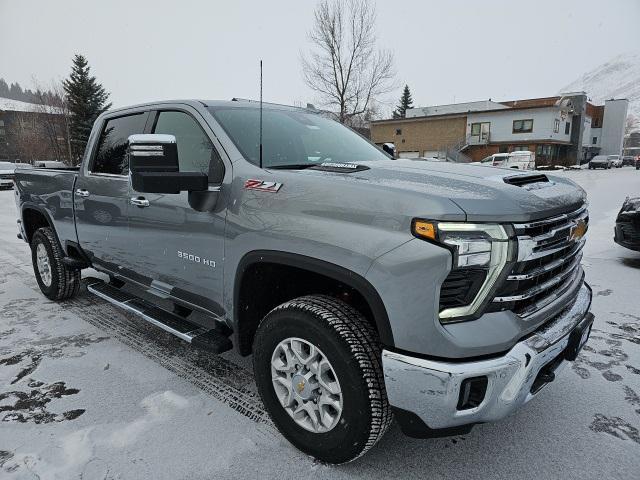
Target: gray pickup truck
366	288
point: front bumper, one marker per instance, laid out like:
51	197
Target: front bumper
430	390
627	235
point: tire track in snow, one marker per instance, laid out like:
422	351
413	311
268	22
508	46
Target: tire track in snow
215	375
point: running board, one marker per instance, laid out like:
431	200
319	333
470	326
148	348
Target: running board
206	338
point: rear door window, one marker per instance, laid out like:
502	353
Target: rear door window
111	157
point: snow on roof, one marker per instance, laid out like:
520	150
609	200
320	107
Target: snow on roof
10	105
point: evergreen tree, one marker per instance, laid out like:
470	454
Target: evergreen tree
405	102
86	99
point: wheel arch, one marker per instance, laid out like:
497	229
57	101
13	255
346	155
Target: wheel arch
245	325
33	218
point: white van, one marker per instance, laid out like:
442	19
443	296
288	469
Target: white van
519	160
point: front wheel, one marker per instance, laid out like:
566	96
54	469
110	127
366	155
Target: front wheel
317	366
56	280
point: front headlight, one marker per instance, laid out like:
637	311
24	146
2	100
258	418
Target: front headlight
479	253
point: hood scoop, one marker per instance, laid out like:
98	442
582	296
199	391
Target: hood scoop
525	180
339	167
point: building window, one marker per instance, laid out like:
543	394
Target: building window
523	126
398	131
545	150
567	128
556	126
1	123
520	148
2	132
594	140
481	131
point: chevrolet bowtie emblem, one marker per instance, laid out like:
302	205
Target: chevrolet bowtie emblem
578	230
300	386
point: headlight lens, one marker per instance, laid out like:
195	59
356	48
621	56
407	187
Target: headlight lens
473	246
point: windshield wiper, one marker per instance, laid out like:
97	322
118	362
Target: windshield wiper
293	166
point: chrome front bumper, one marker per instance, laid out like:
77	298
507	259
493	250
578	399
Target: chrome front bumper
431	389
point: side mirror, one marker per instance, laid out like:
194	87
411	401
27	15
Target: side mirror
390	148
153	163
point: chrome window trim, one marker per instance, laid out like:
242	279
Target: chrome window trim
108	175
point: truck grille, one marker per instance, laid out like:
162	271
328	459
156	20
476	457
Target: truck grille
548	264
6	176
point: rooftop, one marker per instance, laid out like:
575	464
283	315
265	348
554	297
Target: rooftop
487	106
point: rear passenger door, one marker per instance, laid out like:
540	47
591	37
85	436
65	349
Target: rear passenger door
178	248
101	196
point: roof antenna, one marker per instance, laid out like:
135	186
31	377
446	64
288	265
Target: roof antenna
260	113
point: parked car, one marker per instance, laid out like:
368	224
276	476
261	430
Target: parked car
628	160
627	230
616	161
366	288
519	160
600	161
7	173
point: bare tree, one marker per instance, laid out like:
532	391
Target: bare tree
632	124
26	136
53	118
345	68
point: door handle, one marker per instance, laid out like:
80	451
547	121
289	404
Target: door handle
82	192
139	202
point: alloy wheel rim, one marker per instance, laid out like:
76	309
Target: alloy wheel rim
44	267
306	385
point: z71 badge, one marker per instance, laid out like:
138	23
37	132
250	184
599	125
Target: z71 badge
263	186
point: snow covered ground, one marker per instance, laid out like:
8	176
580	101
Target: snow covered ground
87	391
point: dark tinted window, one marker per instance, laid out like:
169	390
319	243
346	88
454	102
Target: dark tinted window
195	150
112	147
291	137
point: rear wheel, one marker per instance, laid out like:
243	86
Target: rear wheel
318	370
56	280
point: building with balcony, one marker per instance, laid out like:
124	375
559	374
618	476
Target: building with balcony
562	130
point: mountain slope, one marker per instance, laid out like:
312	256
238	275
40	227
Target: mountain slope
617	78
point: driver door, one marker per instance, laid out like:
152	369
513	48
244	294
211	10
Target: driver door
178	249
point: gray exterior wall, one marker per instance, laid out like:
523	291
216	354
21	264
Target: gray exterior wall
615	115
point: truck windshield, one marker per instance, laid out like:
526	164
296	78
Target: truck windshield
292	139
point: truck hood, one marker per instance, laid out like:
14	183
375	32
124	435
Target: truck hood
483	193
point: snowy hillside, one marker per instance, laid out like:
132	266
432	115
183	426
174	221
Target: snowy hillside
617	78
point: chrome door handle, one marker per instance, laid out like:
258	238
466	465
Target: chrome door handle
139	202
82	192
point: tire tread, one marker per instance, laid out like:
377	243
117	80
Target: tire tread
362	340
68	279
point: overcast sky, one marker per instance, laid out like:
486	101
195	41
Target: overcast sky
445	50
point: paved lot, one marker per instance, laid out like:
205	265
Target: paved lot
87	391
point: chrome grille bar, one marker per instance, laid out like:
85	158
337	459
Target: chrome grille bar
533	291
548	262
549	266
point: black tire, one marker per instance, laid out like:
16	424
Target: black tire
65	281
351	345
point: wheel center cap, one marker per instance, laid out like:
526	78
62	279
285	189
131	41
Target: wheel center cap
302	386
